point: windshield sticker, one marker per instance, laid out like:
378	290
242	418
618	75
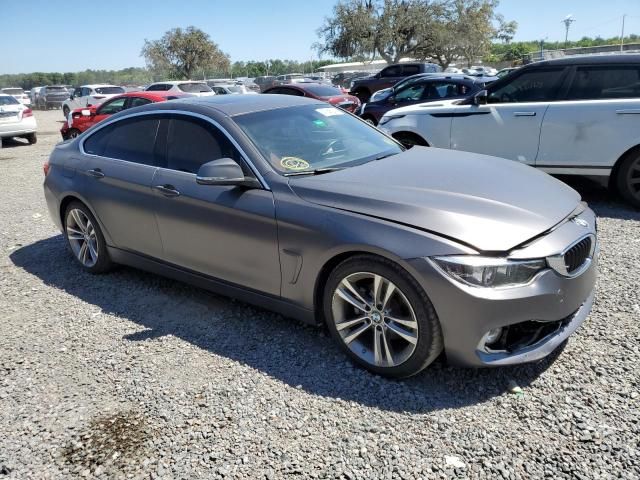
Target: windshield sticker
294	163
329	112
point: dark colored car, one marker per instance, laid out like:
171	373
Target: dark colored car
419	89
319	91
265	81
52	96
84	118
363	88
300	207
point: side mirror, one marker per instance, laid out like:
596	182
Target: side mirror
224	171
480	98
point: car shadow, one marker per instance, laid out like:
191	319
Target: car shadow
602	200
11	142
300	356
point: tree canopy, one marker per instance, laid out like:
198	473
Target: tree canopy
180	54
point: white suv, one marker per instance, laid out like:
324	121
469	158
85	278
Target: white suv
88	95
182	87
576	116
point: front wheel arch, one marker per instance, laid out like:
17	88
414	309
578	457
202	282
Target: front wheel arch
410	139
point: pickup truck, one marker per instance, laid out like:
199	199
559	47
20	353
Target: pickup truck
363	88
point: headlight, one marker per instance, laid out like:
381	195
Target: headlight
387	119
489	272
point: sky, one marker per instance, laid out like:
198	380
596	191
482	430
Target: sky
65	37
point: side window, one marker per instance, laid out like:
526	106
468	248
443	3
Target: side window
539	85
160	87
192	142
615	81
410	94
132	140
393	71
138	102
219	90
410	70
77	92
85	92
446	89
114	106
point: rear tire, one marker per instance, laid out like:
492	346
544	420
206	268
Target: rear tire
407	309
32	138
85	239
73	133
627	179
370	120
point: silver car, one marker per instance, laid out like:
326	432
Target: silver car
302	208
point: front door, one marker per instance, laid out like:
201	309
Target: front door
509	124
118	169
225	232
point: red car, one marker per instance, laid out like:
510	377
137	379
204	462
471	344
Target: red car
327	93
82	119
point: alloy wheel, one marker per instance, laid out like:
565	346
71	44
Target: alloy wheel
82	237
375	319
633	178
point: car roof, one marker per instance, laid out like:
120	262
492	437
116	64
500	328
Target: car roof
177	82
98	85
232	105
591	59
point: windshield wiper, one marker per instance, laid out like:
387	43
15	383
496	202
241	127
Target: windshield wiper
317	171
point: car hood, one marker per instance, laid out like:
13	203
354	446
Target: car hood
486	202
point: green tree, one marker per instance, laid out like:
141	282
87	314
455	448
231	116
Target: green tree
183	53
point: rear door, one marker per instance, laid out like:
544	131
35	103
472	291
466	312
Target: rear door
118	167
595	123
509	125
225	232
388	77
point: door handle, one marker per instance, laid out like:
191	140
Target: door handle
95	172
524	114
629	111
167	190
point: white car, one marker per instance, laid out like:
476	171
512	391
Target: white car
572	116
229	89
89	95
16	120
19	94
189	87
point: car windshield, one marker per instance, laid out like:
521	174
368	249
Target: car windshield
323	90
13	91
309	137
194	87
109	90
8	100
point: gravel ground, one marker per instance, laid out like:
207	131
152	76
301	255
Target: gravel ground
129	375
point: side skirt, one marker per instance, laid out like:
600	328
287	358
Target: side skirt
274	304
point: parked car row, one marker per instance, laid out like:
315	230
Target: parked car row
572	116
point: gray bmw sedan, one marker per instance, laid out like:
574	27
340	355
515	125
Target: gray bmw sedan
302	208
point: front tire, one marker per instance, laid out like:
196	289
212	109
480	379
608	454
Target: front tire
85	239
65	112
628	179
381	317
73	133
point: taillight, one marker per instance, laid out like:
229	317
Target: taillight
27	112
45	168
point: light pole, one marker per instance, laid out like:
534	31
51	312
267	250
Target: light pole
567	23
622	33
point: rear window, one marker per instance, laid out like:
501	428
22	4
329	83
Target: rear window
109	90
132	140
8	100
194	87
57	89
323	91
13	91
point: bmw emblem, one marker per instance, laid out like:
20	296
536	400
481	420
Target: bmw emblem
581	222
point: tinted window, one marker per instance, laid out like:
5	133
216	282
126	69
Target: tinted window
192	142
287	91
194	87
8	100
410	69
112	107
411	93
539	85
138	101
109	90
393	71
616	81
323	90
446	89
84	92
159	87
132	140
